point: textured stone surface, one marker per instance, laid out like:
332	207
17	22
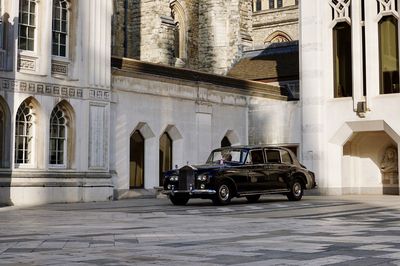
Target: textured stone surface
216	31
314	231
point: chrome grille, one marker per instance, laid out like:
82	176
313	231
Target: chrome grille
186	178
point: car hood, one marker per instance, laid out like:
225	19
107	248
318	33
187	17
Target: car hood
200	168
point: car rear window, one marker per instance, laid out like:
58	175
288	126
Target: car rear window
286	157
273	156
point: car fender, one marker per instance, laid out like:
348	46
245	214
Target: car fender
221	178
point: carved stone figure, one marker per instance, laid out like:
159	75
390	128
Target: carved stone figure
389	166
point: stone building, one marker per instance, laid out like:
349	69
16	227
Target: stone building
274	21
179	104
190	33
55	97
119	91
350	94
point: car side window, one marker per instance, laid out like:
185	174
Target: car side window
286	157
257	157
273	156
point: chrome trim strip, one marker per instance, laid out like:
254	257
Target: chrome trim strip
190	192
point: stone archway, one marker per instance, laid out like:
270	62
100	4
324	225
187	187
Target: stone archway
140	157
5	134
366	166
136	160
230	137
170	149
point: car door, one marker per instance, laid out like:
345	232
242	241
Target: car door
258	179
286	168
274	169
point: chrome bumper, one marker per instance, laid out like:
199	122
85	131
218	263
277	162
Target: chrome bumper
190	192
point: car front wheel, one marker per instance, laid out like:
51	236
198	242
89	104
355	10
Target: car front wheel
179	200
296	191
224	194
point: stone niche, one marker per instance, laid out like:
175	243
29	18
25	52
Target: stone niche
390	171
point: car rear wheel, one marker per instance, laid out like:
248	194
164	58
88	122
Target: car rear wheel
179	199
224	194
296	191
253	198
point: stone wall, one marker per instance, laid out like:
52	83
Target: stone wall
267	22
143	30
216	31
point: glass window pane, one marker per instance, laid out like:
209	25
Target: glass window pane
25	18
30	45
24	5
343	80
31	33
60	158
32	21
389	57
32	6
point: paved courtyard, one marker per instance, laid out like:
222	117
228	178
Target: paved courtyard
315	231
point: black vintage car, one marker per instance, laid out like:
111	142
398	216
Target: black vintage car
241	171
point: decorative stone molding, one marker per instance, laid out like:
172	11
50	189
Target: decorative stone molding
41	88
341	11
52	89
27	64
98	135
59	68
387	7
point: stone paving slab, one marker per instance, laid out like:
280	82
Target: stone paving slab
314	231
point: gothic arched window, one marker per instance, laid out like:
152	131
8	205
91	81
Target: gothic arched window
180	32
24	134
58	137
27	25
388	55
342	60
60	28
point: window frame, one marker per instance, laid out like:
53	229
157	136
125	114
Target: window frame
288	153
397	50
65	138
67	28
31	144
249	159
336	66
275	150
34	26
2	39
271	4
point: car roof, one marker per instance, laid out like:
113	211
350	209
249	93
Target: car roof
252	147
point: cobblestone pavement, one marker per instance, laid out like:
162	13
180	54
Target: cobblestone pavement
315	231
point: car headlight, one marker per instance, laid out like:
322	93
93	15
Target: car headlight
173	178
202	178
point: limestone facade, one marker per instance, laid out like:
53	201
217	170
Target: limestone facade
345	137
197	110
66	116
55	109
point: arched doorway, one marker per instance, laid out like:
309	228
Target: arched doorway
5	137
136	164
225	142
165	155
2	134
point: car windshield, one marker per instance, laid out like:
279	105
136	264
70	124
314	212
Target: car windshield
228	155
